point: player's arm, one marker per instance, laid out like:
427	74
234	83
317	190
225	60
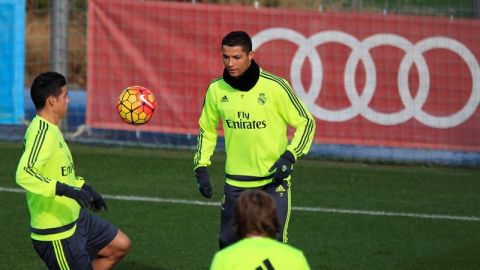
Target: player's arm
297	115
207	133
29	173
294	112
206	142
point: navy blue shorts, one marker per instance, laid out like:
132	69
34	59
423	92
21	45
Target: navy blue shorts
281	195
79	250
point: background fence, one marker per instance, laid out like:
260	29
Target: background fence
452	79
38	24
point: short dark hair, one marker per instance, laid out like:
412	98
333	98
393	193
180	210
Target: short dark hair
256	213
238	38
45	85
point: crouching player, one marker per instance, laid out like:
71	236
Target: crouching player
64	233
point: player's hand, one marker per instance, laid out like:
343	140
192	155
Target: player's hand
82	196
203	182
283	167
98	201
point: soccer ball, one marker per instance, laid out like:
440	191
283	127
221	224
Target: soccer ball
136	105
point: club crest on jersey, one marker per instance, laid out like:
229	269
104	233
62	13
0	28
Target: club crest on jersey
261	98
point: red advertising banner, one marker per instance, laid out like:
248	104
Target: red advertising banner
368	79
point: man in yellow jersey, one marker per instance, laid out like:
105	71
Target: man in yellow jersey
64	233
256	223
255	107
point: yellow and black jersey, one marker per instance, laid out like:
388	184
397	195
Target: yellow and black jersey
47	159
255	127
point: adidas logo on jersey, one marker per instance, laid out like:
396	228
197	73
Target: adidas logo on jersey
224	99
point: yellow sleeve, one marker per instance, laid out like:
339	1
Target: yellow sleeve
30	173
207	133
296	114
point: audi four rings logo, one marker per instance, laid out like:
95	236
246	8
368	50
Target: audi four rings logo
360	52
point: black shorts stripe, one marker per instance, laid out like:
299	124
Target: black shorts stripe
60	255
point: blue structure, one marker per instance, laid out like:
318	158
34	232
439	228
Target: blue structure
12	64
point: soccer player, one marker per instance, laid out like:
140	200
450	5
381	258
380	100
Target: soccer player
64	233
256	223
255	107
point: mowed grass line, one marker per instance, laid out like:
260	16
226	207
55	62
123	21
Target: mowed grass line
169	236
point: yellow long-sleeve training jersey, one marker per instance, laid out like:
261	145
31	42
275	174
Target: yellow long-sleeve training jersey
255	127
47	159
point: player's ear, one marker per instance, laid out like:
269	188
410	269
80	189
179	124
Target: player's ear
250	55
50	101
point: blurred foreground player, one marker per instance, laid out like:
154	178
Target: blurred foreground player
64	233
257	225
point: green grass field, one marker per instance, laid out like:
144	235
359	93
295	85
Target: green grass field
347	215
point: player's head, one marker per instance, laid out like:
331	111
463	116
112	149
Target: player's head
237	53
49	89
255	214
238	38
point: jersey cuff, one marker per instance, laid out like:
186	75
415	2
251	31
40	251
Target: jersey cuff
295	157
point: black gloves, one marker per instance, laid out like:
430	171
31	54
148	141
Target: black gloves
82	196
283	167
86	196
203	182
98	202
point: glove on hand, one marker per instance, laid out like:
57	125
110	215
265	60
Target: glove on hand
203	182
283	167
98	201
82	196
